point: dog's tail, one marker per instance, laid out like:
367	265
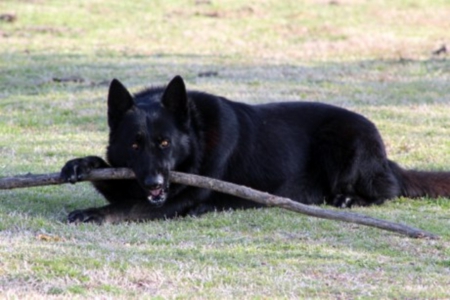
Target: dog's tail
415	184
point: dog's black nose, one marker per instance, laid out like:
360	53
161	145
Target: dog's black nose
154	182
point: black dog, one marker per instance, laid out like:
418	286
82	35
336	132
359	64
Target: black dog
310	152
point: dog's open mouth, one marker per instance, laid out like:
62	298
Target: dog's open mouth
157	196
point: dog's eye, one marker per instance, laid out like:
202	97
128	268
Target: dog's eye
164	143
135	146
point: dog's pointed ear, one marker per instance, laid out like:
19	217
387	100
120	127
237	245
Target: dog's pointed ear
175	98
119	102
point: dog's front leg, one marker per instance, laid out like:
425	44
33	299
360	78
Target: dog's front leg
76	169
141	211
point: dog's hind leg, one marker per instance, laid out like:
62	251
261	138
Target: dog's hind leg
370	188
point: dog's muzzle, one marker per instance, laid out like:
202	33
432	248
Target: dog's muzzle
156	189
157	195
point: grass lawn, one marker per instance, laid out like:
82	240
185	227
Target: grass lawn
375	57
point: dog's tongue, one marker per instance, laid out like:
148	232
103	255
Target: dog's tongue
155	192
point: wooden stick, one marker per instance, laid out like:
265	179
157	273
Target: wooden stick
228	188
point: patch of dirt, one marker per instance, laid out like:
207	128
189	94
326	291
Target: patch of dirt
8	18
242	12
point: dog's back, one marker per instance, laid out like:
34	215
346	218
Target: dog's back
309	152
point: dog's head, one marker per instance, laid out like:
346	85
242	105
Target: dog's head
150	136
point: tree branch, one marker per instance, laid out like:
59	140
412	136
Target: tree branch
227	188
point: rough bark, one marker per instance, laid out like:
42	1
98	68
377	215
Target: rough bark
30	180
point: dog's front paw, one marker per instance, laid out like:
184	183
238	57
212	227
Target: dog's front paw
86	216
200	209
76	169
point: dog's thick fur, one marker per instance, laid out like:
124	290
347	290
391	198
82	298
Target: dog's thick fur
313	153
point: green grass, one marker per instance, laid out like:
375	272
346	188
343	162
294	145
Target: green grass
370	56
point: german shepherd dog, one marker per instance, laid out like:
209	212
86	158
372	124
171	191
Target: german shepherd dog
313	153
